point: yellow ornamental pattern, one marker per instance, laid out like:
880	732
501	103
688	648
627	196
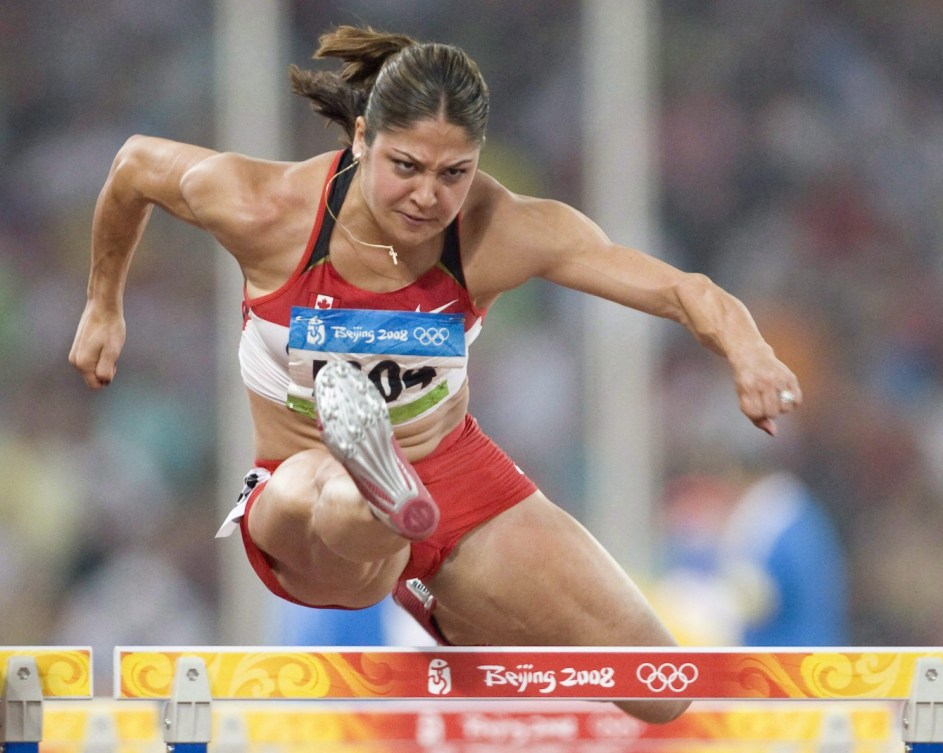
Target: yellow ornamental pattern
827	675
248	675
64	672
865	675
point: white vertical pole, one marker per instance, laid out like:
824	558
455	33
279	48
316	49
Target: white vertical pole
618	349
250	107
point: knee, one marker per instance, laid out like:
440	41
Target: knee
655	712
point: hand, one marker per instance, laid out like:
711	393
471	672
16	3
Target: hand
766	388
98	342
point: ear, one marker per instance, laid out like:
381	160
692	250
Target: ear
359	142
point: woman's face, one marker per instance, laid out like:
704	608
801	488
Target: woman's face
416	180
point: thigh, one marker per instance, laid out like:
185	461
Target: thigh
320	541
535	576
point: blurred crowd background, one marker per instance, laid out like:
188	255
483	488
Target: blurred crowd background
800	165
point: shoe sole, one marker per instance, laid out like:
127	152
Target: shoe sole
355	427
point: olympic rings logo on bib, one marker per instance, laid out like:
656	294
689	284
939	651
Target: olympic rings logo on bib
666	677
431	335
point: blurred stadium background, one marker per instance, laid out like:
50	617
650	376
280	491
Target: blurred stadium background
797	159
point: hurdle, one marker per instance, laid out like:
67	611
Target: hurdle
191	679
104	725
28	676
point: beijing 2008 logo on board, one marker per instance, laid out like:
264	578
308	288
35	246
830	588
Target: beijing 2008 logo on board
439	677
664	678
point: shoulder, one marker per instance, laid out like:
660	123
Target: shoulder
231	190
528	223
508	238
233	176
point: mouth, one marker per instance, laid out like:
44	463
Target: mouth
414	220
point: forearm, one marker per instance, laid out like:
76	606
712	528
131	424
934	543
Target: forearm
146	172
121	215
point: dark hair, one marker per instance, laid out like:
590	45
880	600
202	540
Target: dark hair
394	82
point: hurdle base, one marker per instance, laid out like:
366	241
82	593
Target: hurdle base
19	747
186	747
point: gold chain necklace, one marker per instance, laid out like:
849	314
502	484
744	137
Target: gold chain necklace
389	249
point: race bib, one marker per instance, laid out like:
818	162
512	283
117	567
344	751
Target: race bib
414	359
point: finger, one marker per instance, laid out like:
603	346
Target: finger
97	372
759	407
789	398
766	424
106	369
87	370
94	380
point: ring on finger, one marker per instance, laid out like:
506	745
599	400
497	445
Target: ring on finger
786	397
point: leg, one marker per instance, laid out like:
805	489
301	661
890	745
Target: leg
534	576
326	545
319	515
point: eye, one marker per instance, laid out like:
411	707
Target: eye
404	166
454	174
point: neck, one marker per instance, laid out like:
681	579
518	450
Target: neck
355	240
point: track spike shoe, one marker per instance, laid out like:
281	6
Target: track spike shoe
355	427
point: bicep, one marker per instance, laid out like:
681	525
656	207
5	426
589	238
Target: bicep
577	254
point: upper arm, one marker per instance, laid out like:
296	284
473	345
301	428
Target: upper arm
151	170
582	257
551	240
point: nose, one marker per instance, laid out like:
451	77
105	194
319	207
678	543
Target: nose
424	192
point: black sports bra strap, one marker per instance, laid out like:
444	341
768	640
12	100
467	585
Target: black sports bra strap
451	257
335	200
452	253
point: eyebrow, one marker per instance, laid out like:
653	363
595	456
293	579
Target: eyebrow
411	158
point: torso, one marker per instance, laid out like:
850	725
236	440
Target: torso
280	432
316	283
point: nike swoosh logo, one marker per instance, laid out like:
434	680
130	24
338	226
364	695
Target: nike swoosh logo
438	310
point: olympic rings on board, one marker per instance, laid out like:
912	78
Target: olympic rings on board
666	676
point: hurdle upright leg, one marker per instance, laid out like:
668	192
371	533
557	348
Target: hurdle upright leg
21	712
923	712
187	717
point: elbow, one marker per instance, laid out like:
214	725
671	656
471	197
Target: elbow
128	163
131	153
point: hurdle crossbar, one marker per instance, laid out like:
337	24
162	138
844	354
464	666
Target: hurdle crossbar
514	673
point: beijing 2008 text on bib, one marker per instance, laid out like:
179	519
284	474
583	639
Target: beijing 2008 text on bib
414	359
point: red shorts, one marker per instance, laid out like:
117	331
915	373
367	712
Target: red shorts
469	476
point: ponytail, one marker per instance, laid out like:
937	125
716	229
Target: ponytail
342	97
394	82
